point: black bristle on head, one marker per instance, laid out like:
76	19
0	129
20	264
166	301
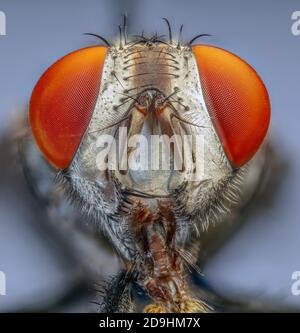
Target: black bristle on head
169	29
99	37
198	36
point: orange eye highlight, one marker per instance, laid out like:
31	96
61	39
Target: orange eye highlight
237	101
63	102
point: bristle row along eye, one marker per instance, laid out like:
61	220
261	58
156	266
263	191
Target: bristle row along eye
63	102
237	101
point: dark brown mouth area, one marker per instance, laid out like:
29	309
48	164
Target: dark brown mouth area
160	266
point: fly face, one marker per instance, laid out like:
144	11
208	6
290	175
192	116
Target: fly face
158	94
105	116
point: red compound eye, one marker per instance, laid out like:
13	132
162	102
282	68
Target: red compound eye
237	101
63	102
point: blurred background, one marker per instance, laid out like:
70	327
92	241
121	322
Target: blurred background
258	261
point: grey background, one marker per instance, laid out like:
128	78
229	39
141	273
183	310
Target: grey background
261	257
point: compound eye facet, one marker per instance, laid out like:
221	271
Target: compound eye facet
63	102
237	101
